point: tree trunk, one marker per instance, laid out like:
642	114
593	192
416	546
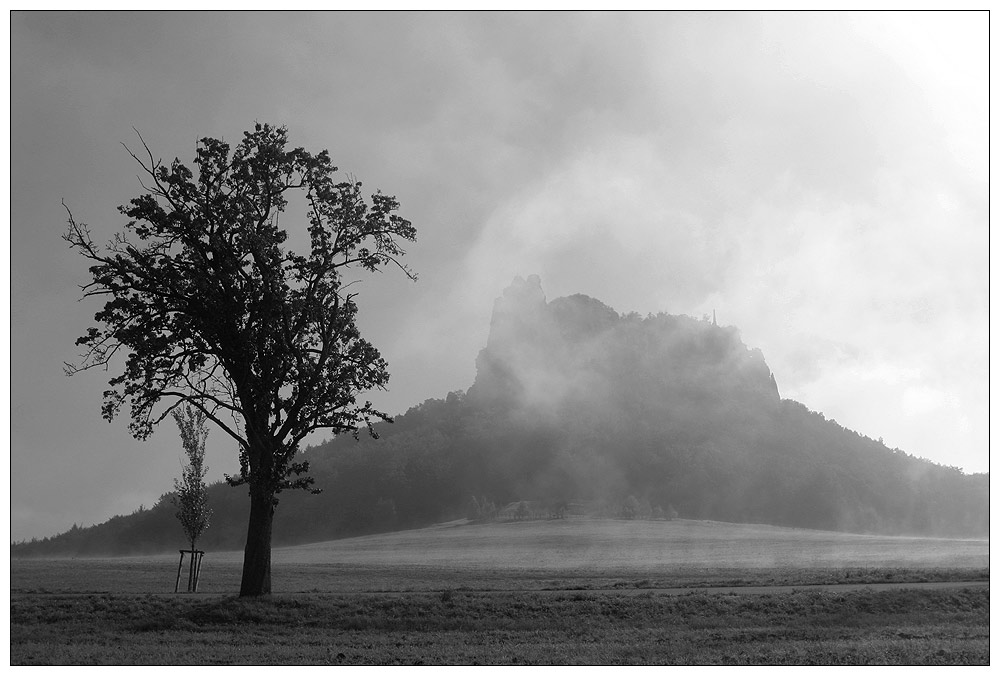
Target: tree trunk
257	554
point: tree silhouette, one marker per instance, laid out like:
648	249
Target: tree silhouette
207	306
191	494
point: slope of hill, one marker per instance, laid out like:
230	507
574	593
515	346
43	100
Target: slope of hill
619	545
576	406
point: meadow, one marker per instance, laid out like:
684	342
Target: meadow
570	591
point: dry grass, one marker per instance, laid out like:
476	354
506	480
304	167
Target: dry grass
558	592
818	627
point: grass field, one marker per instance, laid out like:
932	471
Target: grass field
529	555
547	592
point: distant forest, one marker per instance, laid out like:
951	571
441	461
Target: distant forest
579	410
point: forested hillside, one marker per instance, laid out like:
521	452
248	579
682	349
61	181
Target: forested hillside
577	409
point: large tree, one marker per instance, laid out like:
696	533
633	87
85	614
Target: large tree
205	305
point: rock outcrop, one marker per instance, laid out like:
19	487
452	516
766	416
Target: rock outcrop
576	349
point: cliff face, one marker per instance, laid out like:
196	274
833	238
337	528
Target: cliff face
578	351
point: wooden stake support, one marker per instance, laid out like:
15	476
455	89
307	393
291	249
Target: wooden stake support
194	569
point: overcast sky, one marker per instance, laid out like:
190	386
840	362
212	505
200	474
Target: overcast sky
818	180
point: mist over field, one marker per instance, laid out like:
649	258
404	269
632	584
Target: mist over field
634	547
543	553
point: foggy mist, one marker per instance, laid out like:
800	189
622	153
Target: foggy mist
817	180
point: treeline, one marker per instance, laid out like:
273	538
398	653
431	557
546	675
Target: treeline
444	458
789	466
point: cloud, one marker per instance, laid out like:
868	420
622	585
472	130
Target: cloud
818	179
825	212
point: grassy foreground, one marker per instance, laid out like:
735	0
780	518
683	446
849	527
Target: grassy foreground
559	592
900	626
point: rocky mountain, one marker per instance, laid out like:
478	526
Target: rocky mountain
576	354
578	408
